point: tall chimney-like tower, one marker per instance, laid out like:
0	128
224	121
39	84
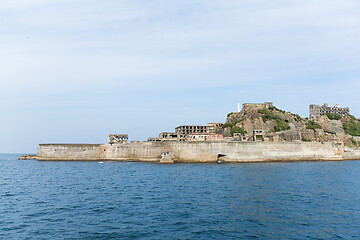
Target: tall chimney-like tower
238	106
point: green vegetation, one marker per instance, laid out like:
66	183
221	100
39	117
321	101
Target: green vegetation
333	116
297	117
279	110
312	125
281	124
305	140
234	128
268	115
353	142
229	114
352	127
231	124
352	117
275	108
237	129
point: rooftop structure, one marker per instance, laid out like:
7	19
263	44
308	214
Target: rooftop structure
316	111
258	105
118	138
169	136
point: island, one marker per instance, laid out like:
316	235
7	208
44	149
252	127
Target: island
259	132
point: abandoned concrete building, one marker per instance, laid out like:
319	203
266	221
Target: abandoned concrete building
258	105
118	138
216	137
317	111
213	126
258	135
167	136
197	129
197	137
253	136
154	139
240	137
170	136
191	129
204	137
191	133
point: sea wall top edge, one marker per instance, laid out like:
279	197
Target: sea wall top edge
187	142
71	144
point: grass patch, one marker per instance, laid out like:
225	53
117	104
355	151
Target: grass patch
305	139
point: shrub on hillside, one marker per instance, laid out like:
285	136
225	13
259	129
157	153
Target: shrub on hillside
352	128
305	140
229	114
237	129
297	117
281	125
231	124
333	116
268	115
312	125
353	142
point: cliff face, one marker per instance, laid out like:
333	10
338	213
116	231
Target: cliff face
331	126
270	119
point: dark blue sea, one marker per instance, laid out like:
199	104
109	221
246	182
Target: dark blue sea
123	200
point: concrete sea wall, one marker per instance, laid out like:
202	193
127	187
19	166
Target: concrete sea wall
197	151
77	152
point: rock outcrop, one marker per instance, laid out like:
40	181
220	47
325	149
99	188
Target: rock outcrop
285	126
27	157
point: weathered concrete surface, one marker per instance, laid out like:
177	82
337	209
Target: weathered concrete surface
197	151
351	154
78	152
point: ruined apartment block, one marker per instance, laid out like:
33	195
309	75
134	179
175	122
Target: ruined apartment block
317	111
197	129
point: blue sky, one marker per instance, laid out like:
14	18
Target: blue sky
75	71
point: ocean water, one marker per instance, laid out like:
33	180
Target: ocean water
92	200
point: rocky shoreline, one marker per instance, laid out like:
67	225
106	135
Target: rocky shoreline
27	157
